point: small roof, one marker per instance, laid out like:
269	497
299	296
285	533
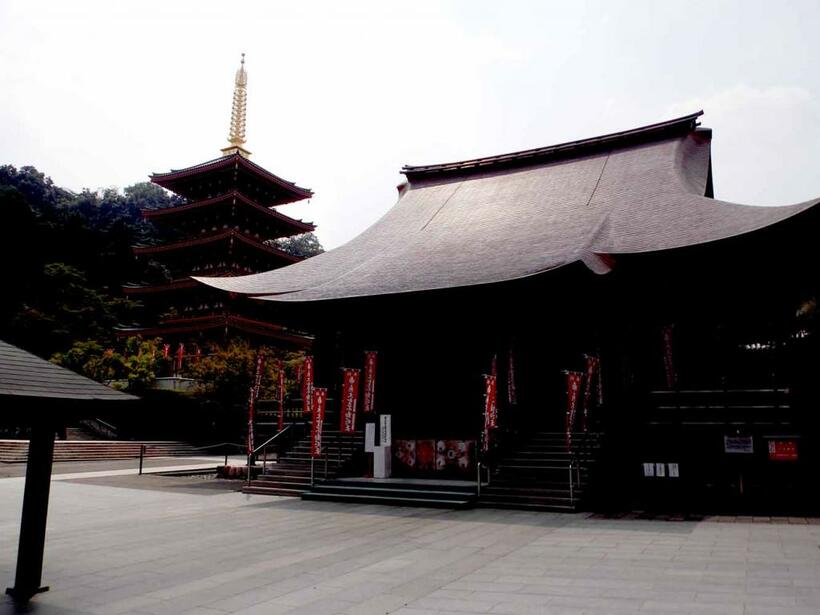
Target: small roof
506	217
24	375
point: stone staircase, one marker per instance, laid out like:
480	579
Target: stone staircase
395	492
540	474
16	451
290	474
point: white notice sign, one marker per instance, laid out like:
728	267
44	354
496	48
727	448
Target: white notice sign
660	470
738	444
674	472
369	437
385	431
649	469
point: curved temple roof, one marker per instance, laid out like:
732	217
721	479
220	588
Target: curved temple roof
506	217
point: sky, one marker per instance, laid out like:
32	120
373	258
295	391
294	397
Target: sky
342	94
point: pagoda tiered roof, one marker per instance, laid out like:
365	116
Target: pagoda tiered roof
291	226
231	172
221	322
212	238
141	289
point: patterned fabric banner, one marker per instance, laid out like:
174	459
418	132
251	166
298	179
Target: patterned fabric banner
369	381
350	398
491	401
307	385
668	334
512	397
574	380
251	411
318	421
281	392
593	373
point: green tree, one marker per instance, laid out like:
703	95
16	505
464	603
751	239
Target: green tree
303	246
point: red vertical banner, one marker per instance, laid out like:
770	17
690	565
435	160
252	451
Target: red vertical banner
512	394
257	376
166	350
350	398
281	395
490	409
668	335
251	412
573	390
317	421
491	400
254	394
180	355
369	381
307	385
592	378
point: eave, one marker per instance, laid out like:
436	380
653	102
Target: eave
195	324
167	180
170	212
216	238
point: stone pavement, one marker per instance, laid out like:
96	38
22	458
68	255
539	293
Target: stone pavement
162	549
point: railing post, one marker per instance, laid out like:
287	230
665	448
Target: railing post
142	456
312	459
571	494
249	469
478	482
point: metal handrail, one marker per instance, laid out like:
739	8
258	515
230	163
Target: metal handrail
272	438
100	427
144	450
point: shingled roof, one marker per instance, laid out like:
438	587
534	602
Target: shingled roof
23	375
506	217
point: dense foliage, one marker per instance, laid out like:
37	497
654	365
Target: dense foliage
65	256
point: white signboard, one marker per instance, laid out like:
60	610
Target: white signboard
385	430
382	461
738	444
674	471
660	470
369	437
649	469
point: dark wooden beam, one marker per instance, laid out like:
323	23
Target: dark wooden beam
31	548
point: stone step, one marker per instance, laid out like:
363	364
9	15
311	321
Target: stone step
16	451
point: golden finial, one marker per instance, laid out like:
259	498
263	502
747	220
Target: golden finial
236	138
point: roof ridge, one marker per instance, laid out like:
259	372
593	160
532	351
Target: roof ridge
609	140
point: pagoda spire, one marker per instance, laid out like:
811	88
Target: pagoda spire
236	138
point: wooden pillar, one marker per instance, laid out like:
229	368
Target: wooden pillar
35	510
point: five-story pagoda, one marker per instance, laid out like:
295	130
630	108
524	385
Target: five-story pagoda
225	225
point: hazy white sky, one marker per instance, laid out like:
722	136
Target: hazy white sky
341	94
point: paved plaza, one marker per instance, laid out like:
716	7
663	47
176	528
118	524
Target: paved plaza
169	545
